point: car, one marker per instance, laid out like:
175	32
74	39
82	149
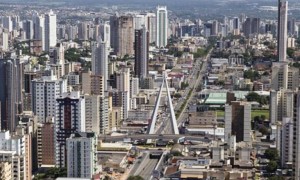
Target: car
160	149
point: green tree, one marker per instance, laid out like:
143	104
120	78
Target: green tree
272	154
272	166
177	95
72	55
276	178
135	178
264	130
290	52
253	96
250	74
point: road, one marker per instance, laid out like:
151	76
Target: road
151	136
165	127
148	168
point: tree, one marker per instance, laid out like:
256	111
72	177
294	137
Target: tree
276	178
177	95
272	154
253	96
250	74
264	130
271	167
135	178
290	52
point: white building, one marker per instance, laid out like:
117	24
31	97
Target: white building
100	61
4	41
123	85
44	93
96	114
134	87
12	149
151	26
281	105
162	26
7	23
50	30
104	30
286	149
69	119
81	155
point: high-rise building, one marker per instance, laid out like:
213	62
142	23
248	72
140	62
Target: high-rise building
96	114
282	29
284	77
29	29
161	26
286	139
296	136
45	141
141	48
281	105
134	87
238	121
83	31
100	61
151	27
39	28
69	119
13	150
81	155
7	23
122	34
215	28
4	43
11	75
104	31
44	93
50	30
251	26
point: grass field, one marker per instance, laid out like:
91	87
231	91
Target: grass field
254	113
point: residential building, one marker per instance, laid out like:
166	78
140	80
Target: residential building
81	155
284	77
44	93
69	119
96	114
100	61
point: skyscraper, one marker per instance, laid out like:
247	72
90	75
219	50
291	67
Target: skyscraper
141	48
39	28
96	114
122	34
282	29
44	93
100	61
69	119
238	121
10	93
28	28
81	155
50	30
162	26
104	30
